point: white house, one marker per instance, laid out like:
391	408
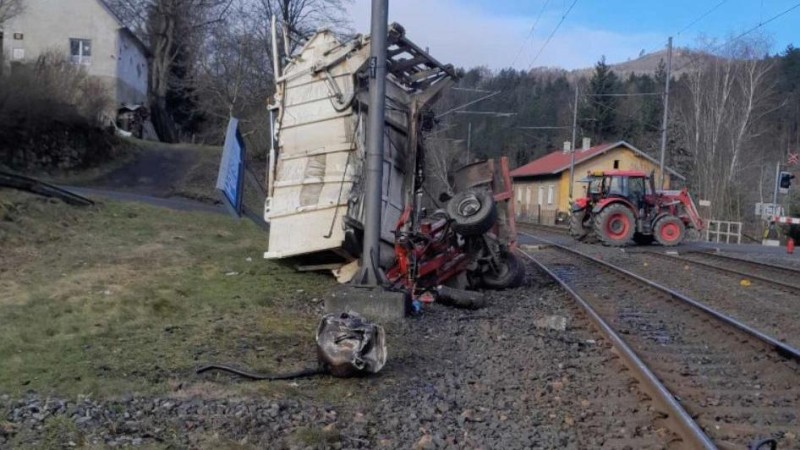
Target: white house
89	33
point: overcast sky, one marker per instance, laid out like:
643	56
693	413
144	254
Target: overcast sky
495	32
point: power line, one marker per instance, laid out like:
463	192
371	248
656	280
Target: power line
632	94
702	16
693	22
564	17
530	35
698	56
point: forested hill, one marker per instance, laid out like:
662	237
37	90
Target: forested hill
730	115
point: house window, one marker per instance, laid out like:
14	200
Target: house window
18	54
80	51
550	195
616	164
541	196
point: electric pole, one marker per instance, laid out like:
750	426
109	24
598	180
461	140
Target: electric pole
666	113
574	137
469	140
376	123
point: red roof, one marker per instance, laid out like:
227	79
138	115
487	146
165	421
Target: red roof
557	162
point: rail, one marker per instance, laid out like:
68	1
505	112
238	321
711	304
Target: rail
642	315
687	427
749	275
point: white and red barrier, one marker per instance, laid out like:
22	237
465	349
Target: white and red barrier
789	220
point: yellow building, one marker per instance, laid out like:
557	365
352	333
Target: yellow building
541	187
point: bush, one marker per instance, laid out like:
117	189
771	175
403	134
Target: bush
52	116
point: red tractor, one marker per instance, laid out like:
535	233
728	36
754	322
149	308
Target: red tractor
621	206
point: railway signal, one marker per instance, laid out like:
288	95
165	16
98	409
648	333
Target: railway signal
785	181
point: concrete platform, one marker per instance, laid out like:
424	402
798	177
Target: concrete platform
375	304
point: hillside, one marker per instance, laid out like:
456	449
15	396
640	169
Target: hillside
682	59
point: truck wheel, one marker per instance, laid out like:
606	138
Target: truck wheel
615	225
473	212
643	239
510	274
670	231
576	228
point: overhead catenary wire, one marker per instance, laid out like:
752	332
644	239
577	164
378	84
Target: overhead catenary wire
697	57
702	16
530	34
553	33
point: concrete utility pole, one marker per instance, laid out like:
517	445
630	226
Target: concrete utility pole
376	122
469	140
574	137
666	113
777	185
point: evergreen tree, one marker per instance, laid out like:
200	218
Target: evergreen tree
600	111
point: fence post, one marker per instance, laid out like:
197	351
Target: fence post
539	214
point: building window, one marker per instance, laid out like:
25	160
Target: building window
616	164
17	54
80	51
550	195
540	199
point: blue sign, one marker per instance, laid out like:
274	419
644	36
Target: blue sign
230	181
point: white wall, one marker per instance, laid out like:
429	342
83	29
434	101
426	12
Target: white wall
50	24
131	71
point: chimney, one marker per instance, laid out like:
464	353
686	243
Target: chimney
567	147
587	143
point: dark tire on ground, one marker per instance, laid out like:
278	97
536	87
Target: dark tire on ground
473	212
576	228
669	231
615	225
643	239
512	273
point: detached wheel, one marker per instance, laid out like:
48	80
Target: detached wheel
670	231
615	225
576	228
643	239
473	212
510	273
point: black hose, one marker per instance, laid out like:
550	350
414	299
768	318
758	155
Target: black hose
305	373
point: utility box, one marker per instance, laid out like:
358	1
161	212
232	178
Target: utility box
315	202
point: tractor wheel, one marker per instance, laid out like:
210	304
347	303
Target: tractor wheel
473	212
615	225
670	231
511	273
643	239
576	228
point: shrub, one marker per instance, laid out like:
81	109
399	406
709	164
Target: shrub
52	115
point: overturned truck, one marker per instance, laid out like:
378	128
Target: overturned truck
315	196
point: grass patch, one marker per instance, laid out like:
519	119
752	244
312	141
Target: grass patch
131	298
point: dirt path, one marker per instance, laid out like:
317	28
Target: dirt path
153	172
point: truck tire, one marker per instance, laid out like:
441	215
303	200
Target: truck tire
670	231
473	212
511	273
615	225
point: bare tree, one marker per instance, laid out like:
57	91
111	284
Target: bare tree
720	112
172	29
9	9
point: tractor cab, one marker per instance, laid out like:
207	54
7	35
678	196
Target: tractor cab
631	185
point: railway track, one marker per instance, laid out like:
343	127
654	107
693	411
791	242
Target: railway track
722	384
549	228
778	277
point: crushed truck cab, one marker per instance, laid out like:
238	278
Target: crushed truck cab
315	203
